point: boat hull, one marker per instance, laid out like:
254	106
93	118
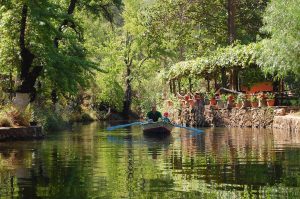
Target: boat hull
157	129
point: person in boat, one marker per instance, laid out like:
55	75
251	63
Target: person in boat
165	118
154	115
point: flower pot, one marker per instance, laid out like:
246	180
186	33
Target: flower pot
261	103
270	102
213	102
187	97
230	98
246	103
254	104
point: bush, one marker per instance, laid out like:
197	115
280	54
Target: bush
85	117
13	117
50	120
6	122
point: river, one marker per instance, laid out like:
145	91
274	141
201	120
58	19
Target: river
90	162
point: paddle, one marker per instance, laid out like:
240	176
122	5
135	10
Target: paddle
123	125
188	128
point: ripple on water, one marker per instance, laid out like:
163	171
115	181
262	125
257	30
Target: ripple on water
90	162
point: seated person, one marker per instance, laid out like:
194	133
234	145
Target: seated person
154	115
165	118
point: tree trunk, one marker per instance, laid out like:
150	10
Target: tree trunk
171	87
179	85
234	80
231	21
223	77
21	101
174	86
71	10
128	93
216	83
208	86
28	73
231	9
190	85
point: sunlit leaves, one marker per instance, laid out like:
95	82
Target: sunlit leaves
281	52
238	56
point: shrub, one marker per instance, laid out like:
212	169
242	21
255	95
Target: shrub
85	117
253	98
13	117
224	98
270	96
50	120
6	122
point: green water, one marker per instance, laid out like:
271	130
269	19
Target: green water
89	162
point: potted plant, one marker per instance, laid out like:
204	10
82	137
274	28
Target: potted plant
230	100
261	100
222	101
254	101
211	97
245	102
270	99
238	101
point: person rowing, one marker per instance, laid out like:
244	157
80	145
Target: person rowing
154	115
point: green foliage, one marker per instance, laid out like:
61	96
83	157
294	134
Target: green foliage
280	52
250	76
270	95
253	98
211	94
238	56
224	98
240	98
6	121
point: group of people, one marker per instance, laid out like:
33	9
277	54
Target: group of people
155	115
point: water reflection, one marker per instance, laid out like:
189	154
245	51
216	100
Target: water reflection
89	162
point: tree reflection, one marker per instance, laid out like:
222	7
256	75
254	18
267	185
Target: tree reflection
89	162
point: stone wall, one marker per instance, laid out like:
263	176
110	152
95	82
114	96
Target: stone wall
290	123
206	116
21	133
246	117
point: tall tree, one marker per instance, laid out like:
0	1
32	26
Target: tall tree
280	53
42	23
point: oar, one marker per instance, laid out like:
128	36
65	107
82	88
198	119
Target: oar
188	128
123	125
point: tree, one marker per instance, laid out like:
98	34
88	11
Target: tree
50	44
190	29
280	54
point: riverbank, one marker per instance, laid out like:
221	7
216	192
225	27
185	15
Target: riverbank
21	133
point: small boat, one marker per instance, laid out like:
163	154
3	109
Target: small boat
157	129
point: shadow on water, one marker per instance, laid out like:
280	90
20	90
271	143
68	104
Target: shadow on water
90	162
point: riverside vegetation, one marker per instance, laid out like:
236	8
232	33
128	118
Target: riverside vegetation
66	61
